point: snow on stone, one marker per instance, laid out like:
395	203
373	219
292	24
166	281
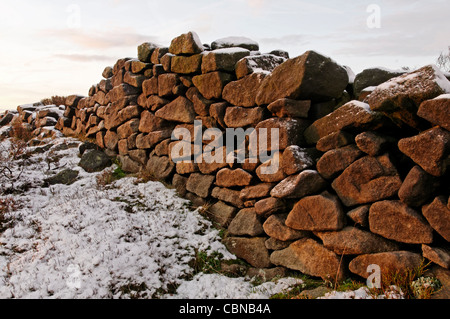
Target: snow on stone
197	40
442	97
234	42
230	50
441	80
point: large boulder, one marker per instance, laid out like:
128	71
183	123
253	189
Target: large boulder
354	115
394	220
430	150
367	180
373	77
437	111
311	258
400	97
310	76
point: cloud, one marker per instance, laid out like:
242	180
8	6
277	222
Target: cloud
84	57
98	40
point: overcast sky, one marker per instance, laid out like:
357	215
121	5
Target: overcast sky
61	47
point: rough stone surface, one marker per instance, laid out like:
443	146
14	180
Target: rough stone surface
373	77
211	85
264	64
295	159
337	160
373	143
401	97
252	250
257	191
290	108
236	116
334	140
67	177
322	212
268	206
436	111
161	167
290	132
394	220
430	150
417	187
360	215
186	64
222	213
271	170
188	43
200	184
180	110
439	256
231	178
94	161
367	180
389	262
437	214
300	185
243	92
310	76
311	258
246	223
355	115
276	228
354	241
228	196
223	59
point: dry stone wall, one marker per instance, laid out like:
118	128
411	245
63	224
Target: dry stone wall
361	171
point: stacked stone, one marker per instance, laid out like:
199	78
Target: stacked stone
366	179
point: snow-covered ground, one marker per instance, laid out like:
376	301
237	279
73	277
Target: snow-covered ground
129	239
82	241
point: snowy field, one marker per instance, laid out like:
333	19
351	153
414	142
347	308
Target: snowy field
82	241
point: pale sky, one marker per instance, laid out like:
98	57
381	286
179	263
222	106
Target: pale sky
61	47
